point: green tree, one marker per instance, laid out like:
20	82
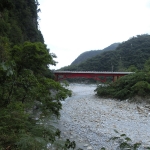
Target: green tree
147	65
26	93
120	65
132	68
127	87
30	99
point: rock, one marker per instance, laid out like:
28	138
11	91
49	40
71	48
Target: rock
89	148
80	140
147	106
94	119
86	145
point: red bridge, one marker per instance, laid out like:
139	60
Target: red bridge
100	76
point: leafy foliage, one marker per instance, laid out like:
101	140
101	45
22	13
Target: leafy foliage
24	89
125	142
127	87
14	27
30	99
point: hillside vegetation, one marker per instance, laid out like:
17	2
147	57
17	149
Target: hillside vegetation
19	21
129	54
135	86
29	96
89	54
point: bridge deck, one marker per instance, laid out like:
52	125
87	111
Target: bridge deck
97	75
92	72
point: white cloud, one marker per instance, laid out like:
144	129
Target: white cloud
71	27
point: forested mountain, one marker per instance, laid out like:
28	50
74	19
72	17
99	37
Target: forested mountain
89	54
133	52
19	21
28	93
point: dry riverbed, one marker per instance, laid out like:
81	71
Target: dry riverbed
91	121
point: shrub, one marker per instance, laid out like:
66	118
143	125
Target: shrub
127	87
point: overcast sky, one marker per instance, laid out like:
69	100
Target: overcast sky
71	27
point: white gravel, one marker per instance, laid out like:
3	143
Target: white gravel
91	121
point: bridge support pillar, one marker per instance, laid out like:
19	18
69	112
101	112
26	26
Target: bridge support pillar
115	78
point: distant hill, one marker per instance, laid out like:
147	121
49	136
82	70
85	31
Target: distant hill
133	52
89	54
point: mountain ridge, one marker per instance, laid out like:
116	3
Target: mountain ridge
91	53
131	53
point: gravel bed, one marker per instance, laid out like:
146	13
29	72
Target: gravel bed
92	121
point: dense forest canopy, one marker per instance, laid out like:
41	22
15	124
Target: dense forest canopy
28	93
19	21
